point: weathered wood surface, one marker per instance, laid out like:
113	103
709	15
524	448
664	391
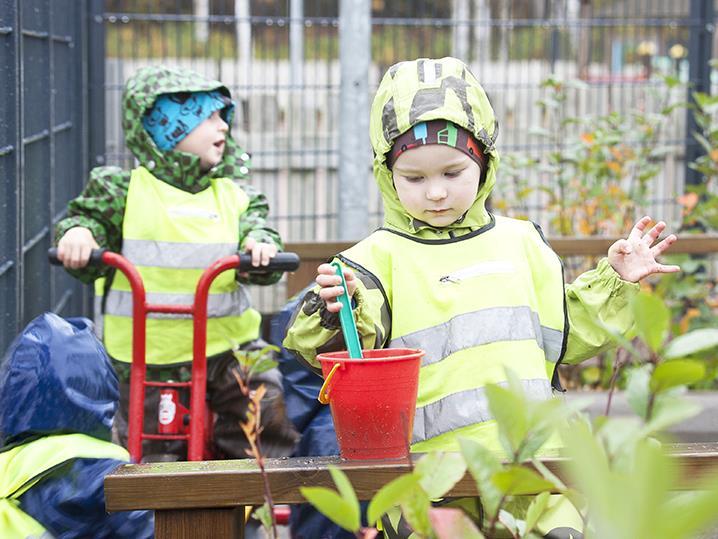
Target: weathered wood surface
313	254
234	483
200	523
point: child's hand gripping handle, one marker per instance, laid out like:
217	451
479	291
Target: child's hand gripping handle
95	257
279	262
349	330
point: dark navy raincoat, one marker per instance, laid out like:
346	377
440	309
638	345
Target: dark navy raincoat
56	378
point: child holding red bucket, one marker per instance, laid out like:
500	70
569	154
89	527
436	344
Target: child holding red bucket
475	291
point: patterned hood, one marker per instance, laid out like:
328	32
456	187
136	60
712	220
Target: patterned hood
422	90
179	169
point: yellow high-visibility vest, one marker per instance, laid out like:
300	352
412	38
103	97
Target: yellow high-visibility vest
172	236
477	304
21	467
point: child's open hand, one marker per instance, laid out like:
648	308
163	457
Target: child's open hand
331	285
75	246
633	258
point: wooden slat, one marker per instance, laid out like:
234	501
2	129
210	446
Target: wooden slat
200	524
192	485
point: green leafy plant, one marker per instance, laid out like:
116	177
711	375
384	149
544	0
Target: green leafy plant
598	168
618	467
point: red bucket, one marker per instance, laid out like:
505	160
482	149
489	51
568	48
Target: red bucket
373	400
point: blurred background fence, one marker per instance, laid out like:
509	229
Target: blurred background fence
283	62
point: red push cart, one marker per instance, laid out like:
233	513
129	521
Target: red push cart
192	425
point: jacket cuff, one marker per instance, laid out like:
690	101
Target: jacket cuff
613	282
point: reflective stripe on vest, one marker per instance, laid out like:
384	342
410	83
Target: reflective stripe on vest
483	327
218	305
477	304
23	466
172	236
467	407
165	254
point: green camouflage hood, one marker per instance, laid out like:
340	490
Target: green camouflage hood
421	90
179	169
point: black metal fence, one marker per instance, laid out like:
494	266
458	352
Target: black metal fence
43	151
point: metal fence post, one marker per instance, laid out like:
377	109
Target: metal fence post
296	43
95	73
700	47
354	154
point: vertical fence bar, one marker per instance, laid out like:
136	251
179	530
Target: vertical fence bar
700	47
296	43
19	170
96	83
354	54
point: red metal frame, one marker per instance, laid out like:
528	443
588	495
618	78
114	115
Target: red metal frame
199	435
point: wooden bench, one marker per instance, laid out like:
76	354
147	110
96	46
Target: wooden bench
201	500
313	254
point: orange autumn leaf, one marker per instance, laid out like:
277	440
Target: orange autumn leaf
585	227
714	154
587	138
688	201
614	167
690	314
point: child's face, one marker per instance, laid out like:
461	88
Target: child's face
207	141
435	183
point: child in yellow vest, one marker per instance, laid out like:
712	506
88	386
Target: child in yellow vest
173	215
476	291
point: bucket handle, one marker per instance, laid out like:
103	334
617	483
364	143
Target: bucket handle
324	391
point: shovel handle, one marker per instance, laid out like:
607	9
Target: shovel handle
346	317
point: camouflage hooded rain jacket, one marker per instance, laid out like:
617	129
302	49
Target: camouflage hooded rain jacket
101	206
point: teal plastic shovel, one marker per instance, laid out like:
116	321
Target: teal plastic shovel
346	317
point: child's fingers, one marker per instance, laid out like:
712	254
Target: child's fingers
330	295
326	269
325	280
78	256
268	252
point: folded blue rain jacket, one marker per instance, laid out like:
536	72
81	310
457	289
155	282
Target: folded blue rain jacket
56	378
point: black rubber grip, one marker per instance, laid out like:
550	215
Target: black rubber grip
279	262
95	257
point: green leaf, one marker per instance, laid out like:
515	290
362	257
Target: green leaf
518	480
652	318
687	514
670	409
264	516
438	472
482	464
345	488
262	364
333	506
637	391
693	342
678	372
536	509
415	508
391	495
509	409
